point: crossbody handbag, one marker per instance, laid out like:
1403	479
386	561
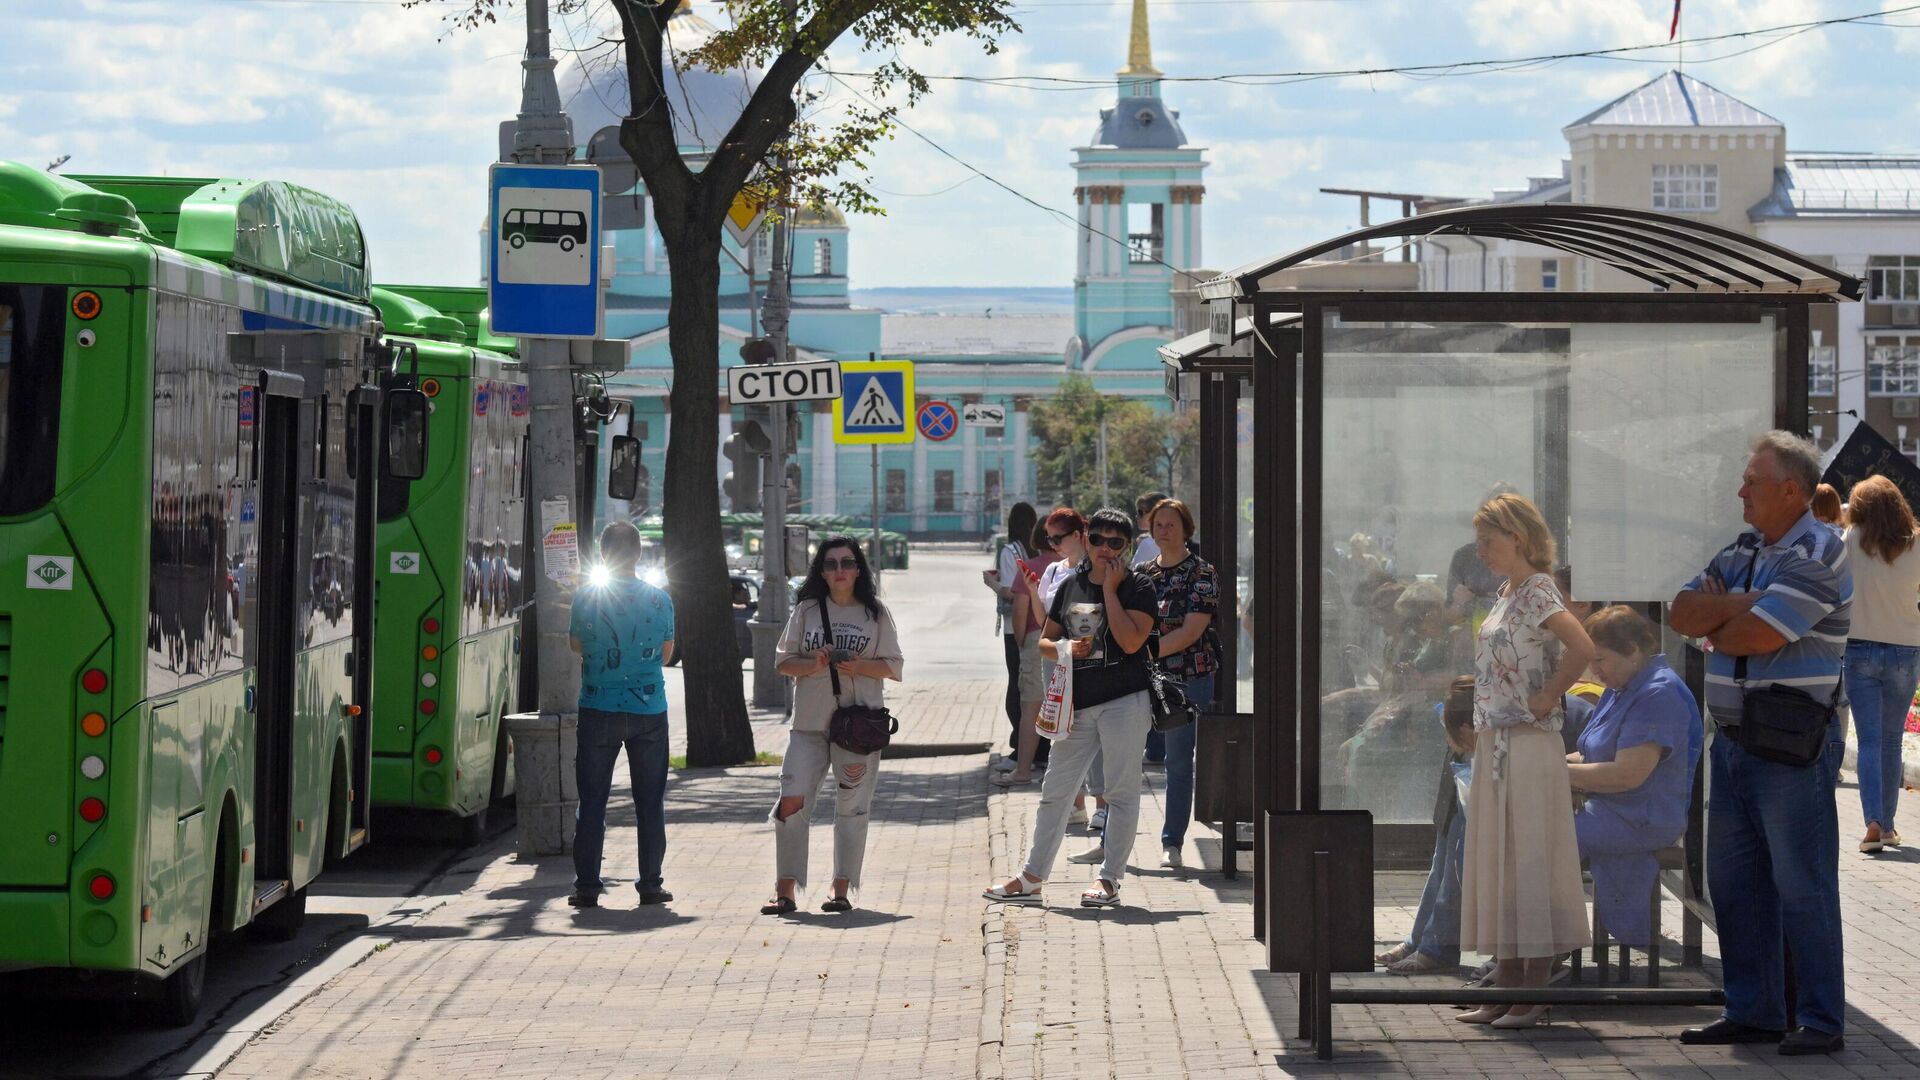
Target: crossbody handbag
1166	692
1782	724
858	729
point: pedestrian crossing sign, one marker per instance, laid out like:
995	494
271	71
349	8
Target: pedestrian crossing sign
876	404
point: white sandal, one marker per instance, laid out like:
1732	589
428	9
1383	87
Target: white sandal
1100	895
1025	894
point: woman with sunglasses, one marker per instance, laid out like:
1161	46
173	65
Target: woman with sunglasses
856	640
1100	622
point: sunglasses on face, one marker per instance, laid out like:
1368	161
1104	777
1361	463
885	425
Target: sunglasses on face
1056	541
840	564
1117	543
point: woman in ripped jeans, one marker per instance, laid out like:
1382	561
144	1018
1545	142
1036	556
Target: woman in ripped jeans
838	626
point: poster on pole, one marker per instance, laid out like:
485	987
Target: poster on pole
559	541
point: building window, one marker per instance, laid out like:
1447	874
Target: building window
1581	192
896	491
1821	368
1893	366
991	500
1686	187
1893	277
823	257
762	248
943	491
1550	274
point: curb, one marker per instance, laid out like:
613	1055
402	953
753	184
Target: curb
391	928
902	751
988	1063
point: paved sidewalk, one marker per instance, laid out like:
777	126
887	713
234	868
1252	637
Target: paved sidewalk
1172	984
927	979
508	981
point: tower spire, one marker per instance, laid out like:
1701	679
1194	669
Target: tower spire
1140	44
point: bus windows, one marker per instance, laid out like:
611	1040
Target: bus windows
33	322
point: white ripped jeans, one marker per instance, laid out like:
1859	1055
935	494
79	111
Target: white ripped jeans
809	756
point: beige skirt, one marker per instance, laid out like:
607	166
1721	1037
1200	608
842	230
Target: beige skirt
1520	893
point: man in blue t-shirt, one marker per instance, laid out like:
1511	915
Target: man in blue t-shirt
623	632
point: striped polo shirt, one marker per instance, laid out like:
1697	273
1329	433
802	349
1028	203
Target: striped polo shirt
1808	599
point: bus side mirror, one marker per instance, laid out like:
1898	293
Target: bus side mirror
623	468
406	434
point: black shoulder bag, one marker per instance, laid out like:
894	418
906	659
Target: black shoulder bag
858	729
1166	692
1782	724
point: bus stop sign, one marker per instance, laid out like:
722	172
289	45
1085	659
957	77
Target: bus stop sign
543	264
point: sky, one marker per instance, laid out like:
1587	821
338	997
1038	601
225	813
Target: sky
395	112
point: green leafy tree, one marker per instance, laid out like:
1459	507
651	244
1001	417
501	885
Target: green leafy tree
777	145
1141	445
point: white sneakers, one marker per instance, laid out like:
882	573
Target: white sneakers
1094	854
1098	822
1171	859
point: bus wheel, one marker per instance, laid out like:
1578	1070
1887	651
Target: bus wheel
178	1002
282	921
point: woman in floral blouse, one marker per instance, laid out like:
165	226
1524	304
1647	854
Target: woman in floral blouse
1521	898
1189	596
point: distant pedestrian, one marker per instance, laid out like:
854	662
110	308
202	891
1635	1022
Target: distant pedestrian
1188	594
1031	618
856	642
1100	622
1020	521
1776	603
622	630
1883	647
1145	549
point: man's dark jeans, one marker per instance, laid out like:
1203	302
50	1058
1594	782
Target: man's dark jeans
1773	864
602	734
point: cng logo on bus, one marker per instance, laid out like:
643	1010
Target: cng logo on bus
404	562
50	572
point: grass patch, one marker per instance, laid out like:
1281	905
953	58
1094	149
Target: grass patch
679	761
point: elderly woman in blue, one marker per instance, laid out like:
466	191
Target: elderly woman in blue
1635	765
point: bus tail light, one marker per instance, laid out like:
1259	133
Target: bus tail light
94	681
432	755
431	626
101	887
92	809
427	707
430	653
93	725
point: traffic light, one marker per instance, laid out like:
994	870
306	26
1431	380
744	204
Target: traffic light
742	485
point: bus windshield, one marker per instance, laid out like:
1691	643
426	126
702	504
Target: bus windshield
33	320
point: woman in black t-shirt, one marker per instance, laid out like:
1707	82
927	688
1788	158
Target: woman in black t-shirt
1101	619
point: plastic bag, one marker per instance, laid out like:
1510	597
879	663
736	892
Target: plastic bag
1056	708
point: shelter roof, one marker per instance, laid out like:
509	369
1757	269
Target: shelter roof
1184	351
1675	99
1669	252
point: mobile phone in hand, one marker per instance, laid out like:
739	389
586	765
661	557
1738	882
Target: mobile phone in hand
841	656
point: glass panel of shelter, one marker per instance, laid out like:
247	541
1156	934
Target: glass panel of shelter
1629	437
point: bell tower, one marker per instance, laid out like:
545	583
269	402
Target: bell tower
1139	193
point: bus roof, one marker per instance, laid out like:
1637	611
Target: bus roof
277	230
43	200
408	317
468	303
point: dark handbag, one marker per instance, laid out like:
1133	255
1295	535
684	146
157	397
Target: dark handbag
857	729
1781	724
1168	697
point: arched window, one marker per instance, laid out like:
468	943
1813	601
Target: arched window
823	257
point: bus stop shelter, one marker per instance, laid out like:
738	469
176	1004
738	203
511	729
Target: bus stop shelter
1347	439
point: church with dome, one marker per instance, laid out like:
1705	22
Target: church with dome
1138	194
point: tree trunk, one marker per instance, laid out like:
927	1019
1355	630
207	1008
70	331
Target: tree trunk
717	729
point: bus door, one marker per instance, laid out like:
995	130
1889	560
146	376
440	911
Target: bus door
279	469
366	455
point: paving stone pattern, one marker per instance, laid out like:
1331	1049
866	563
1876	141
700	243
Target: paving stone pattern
927	979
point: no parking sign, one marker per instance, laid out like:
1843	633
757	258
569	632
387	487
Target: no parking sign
937	421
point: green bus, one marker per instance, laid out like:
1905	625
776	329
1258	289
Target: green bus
451	556
190	426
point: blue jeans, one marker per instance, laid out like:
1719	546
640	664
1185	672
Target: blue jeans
1179	750
602	734
1880	682
1436	925
1773	864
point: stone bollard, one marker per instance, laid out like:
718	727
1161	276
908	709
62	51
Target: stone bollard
546	797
